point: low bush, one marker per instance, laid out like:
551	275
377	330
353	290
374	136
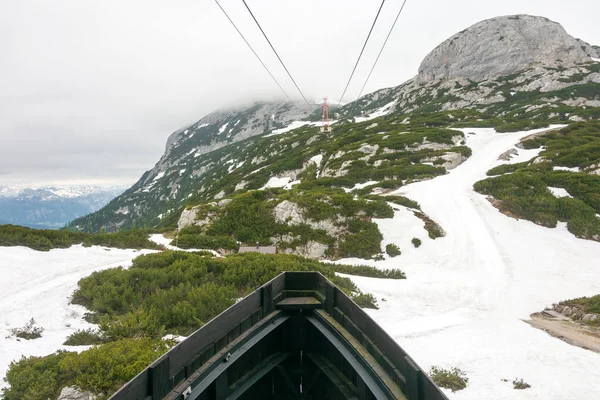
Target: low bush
363	240
590	304
36	378
392	250
101	369
433	229
453	379
365	270
45	240
365	300
198	241
520	384
29	331
416	242
401	201
506	168
84	337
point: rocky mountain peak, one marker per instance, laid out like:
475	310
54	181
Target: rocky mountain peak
503	46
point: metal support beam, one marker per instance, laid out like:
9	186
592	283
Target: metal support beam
312	381
336	377
249	379
295	391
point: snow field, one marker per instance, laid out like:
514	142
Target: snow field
468	293
38	285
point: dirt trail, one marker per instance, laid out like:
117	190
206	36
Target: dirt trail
569	331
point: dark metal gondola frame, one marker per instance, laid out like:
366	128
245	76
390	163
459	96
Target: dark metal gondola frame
297	336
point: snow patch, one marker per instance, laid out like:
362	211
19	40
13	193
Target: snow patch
223	127
160	239
275	182
377	113
575	169
559	192
360	186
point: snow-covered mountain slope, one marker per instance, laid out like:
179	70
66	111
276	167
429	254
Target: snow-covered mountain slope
51	207
38	285
468	293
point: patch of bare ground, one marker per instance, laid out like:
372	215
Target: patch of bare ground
566	329
498	205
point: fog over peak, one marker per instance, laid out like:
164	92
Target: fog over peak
91	90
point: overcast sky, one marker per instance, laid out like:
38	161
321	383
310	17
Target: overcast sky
90	90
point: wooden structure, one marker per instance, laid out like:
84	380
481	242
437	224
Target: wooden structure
296	337
258	249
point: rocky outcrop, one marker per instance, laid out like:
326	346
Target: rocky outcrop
311	249
503	46
575	313
73	393
291	213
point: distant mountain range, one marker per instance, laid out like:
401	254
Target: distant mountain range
51	207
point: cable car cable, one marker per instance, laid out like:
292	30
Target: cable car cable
382	47
275	51
361	52
250	46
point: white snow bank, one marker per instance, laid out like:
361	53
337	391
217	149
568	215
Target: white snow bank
377	113
559	192
275	182
360	186
160	239
468	292
575	169
158	176
295	125
595	59
318	159
37	284
222	128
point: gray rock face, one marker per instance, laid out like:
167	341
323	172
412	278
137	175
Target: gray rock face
503	46
73	393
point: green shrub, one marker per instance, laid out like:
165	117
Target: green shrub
401	201
36	378
195	241
365	270
29	331
45	240
520	384
589	304
365	300
101	369
433	229
104	369
392	250
453	379
363	241
84	337
177	292
416	242
506	168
